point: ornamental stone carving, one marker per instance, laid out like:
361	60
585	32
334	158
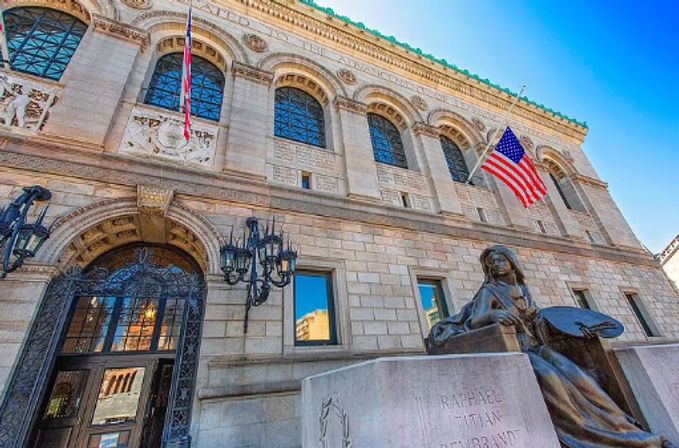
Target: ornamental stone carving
527	143
419	103
120	30
161	134
347	76
478	124
420	128
252	73
255	43
25	102
351	105
138	4
153	199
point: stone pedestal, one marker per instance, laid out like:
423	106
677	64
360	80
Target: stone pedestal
451	401
653	374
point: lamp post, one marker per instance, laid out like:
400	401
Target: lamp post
239	263
18	238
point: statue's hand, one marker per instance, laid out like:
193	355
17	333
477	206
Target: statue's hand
593	331
504	317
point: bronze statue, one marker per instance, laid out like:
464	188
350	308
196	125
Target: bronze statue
582	412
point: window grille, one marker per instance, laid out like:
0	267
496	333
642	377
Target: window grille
455	160
207	86
41	41
386	141
299	117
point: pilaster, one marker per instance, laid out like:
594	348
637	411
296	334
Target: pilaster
358	154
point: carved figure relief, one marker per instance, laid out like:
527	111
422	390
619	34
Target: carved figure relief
255	43
419	103
332	411
162	134
478	124
347	76
25	103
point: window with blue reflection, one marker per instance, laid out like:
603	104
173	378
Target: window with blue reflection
386	141
455	160
299	117
41	41
314	308
433	301
207	86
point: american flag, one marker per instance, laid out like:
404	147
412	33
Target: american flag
510	163
186	79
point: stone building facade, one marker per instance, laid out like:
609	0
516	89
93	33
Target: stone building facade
670	261
121	176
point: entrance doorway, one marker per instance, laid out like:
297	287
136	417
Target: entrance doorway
115	374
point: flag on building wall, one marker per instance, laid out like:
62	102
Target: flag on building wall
510	163
186	79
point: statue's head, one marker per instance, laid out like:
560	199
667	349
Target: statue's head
500	260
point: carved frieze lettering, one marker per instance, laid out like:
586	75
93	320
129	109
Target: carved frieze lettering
25	101
252	73
160	134
347	76
255	43
411	181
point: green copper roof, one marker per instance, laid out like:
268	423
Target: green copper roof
440	61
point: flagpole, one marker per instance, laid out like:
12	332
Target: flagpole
492	138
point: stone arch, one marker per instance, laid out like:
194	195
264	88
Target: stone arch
175	44
387	101
86	233
455	127
555	159
82	10
297	71
162	24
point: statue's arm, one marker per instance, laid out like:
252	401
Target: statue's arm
486	311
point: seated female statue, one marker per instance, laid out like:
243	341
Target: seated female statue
583	414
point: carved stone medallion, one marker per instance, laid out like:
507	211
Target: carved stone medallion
347	76
478	124
419	103
527	143
138	4
255	43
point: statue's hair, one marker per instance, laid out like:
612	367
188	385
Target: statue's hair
507	252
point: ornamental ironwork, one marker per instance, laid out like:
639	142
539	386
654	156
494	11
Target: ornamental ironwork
18	238
41	41
299	117
141	275
455	160
386	141
207	86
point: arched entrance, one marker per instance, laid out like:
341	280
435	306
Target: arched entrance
112	355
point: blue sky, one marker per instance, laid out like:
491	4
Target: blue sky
612	64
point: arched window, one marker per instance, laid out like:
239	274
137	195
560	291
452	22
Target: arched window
455	160
560	190
298	116
565	188
41	41
386	141
207	86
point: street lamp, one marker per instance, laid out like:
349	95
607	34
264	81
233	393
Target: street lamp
239	263
18	239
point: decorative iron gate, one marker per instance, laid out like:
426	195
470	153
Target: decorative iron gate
140	276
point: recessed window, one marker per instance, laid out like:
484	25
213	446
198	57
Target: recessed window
433	301
41	41
299	117
314	309
589	236
306	180
405	201
386	141
541	226
207	86
454	159
642	314
482	214
581	298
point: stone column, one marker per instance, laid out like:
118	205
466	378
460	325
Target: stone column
358	154
436	167
94	84
249	121
20	295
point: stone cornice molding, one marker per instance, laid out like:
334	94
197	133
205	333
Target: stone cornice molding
121	30
590	181
669	250
427	130
255	74
132	171
342	102
355	40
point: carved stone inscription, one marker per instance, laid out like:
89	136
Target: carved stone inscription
452	401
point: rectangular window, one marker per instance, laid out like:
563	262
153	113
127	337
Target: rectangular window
482	214
642	315
589	236
306	180
433	301
581	298
405	200
541	226
314	309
